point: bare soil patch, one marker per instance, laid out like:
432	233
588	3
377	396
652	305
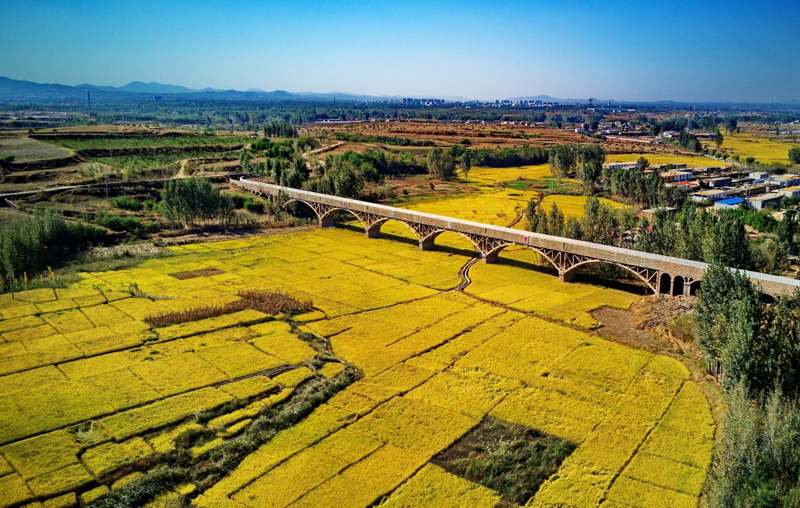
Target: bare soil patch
25	149
619	325
191	274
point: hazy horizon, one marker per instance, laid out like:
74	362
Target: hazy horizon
714	52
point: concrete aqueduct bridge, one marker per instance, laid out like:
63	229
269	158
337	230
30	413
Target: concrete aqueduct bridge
663	274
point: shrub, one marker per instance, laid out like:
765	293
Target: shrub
187	200
239	201
7	158
29	244
127	203
682	327
149	204
130	225
254	206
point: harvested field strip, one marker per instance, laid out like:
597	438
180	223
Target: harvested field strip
191	274
267	302
121	143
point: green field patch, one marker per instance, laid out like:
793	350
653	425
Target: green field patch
510	459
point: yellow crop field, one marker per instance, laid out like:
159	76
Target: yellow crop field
689	160
763	149
488	176
91	396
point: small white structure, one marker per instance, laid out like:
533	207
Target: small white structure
620	165
708	195
790	192
764	201
673	176
783	181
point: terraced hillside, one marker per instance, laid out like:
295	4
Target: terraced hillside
251	409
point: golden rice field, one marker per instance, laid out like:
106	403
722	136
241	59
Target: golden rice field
91	394
488	176
498	207
763	149
690	161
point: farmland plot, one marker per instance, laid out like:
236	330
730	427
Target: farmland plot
93	397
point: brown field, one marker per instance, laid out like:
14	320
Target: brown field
489	136
25	149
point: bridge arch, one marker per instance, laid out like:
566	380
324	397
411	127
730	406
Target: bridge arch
309	205
650	282
664	284
678	285
325	214
428	241
545	256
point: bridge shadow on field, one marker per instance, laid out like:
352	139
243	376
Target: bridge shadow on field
467	251
602	275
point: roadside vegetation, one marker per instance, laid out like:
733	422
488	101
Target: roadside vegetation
752	348
31	245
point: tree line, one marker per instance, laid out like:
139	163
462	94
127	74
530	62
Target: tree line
30	244
753	348
599	224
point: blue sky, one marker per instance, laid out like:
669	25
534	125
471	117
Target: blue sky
645	50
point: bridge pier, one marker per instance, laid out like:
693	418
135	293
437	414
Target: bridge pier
373	231
566	277
327	222
489	258
427	243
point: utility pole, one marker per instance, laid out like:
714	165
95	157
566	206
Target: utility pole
89	99
110	151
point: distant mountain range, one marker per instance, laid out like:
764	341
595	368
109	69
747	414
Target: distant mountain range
14	90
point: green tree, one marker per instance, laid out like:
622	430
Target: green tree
184	201
346	181
659	236
726	242
731	125
788	229
531	215
563	159
718	139
573	228
590	165
555	221
713	311
794	155
642	163
244	160
441	164
466	163
296	175
600	223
